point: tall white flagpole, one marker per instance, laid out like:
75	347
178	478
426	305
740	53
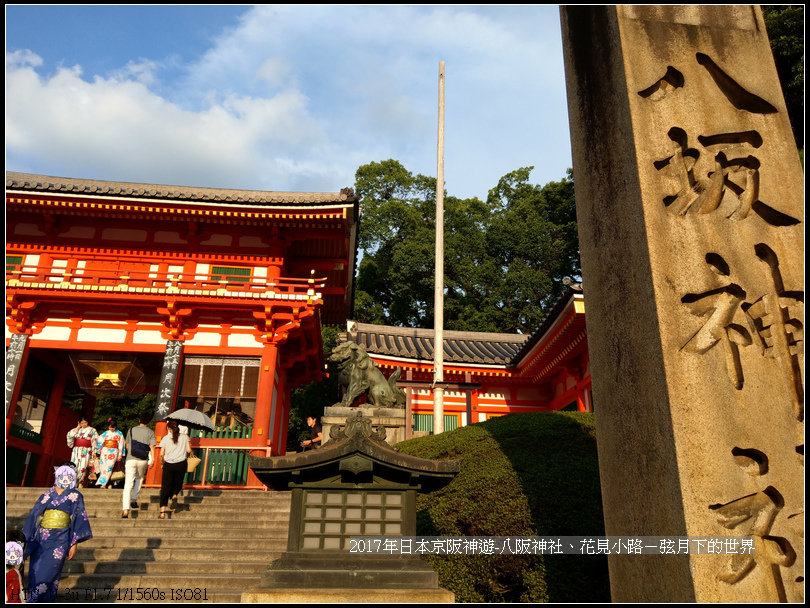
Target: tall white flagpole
438	299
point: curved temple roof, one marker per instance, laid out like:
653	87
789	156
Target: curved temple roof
354	449
459	346
64	185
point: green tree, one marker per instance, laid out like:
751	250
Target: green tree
785	26
533	239
125	410
504	257
395	276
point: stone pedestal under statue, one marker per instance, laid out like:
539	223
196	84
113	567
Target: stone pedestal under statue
355	485
390	418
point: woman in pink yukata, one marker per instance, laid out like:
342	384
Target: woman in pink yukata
110	448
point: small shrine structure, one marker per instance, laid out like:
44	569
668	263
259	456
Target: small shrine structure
354	485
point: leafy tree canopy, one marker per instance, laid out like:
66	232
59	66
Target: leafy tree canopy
126	411
505	257
786	32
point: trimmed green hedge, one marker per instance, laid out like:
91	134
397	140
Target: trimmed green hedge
522	475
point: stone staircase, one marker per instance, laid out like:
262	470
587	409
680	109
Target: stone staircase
212	548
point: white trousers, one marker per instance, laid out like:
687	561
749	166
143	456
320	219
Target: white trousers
135	472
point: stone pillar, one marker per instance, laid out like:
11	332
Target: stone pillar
690	208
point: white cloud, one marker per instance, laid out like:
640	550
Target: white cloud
119	127
142	71
22	58
274	71
298	97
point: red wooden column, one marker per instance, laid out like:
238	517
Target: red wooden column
264	400
282	445
264	395
44	473
582	405
278	434
154	475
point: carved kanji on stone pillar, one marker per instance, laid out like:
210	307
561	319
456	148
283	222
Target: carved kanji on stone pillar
690	211
14	361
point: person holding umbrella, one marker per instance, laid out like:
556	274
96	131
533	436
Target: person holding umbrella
174	449
194	419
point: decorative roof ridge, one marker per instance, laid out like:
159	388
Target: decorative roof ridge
356	327
68	185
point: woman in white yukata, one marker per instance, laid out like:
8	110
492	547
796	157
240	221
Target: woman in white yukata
83	441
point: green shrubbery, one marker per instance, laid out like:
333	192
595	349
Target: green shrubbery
522	475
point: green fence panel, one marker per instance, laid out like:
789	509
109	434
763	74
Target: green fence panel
424	422
226	466
25	434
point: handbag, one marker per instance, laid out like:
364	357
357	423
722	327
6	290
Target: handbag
192	463
139	450
118	473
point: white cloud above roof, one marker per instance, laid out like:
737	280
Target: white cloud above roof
296	98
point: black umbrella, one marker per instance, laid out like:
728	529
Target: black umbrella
193	419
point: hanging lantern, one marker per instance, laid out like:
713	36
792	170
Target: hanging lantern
100	373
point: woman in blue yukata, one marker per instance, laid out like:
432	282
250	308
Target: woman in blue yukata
57	523
110	450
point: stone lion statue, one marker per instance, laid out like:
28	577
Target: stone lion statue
359	374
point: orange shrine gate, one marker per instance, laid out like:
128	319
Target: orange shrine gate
211	299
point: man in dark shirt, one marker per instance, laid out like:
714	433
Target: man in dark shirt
315	434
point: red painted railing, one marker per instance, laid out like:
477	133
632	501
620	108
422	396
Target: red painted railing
145	281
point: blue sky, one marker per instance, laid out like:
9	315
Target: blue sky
283	97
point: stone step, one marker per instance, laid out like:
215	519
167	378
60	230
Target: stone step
196	512
133	567
214	546
126	582
101	497
173	543
156	492
201	528
265	554
87	595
